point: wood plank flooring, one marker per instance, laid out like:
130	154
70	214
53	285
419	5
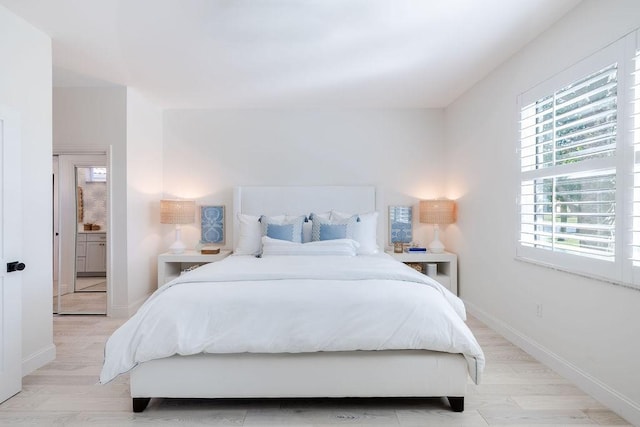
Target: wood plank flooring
90	297
516	390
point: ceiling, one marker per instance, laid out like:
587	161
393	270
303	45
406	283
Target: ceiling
287	53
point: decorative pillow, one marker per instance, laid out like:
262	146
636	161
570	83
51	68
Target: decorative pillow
250	233
307	227
365	231
283	227
342	247
327	229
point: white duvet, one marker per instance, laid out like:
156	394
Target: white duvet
292	304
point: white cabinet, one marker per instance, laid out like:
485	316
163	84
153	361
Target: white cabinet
81	253
170	265
446	266
91	253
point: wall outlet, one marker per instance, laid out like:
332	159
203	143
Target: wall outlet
539	310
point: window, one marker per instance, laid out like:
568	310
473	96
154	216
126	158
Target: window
97	174
574	185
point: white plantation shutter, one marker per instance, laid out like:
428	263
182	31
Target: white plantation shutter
568	165
579	198
579	161
634	106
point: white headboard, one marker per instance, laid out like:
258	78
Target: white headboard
294	200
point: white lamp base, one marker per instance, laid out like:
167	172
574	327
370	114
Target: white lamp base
436	246
177	247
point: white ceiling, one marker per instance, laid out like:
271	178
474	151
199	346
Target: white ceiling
287	53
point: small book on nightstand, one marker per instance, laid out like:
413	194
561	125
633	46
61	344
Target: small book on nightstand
415	249
209	250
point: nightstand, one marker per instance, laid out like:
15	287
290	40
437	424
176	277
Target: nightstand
447	266
170	265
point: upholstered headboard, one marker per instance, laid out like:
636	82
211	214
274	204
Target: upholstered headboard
298	200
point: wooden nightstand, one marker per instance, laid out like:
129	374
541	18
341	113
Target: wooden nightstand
170	265
447	264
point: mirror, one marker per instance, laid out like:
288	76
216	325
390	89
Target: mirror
83	254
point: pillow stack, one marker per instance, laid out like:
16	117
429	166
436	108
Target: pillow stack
289	235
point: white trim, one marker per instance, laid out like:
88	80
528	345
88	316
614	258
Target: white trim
564	269
38	359
602	163
603	270
589	65
110	244
609	397
126	311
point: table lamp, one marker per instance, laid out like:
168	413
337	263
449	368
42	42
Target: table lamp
177	212
437	212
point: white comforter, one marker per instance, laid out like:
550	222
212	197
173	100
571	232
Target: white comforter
291	304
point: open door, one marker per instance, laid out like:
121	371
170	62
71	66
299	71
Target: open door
10	255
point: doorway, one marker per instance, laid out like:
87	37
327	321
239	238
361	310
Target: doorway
80	235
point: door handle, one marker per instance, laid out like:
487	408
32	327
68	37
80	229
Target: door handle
15	266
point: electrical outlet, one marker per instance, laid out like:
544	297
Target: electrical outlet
539	310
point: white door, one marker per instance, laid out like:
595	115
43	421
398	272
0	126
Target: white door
10	251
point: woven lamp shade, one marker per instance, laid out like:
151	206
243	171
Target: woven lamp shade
177	211
439	211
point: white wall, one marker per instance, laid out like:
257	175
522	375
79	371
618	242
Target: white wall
25	85
589	329
91	120
208	152
144	191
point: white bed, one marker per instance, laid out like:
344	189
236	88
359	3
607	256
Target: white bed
390	372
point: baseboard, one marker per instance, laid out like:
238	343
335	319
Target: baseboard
127	311
609	397
38	359
118	311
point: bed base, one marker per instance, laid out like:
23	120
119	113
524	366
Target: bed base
388	373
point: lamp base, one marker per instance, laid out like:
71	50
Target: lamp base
177	247
436	246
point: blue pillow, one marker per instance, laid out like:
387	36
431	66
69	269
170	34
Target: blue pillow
280	232
324	229
283	228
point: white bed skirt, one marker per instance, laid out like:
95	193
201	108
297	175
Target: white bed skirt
389	373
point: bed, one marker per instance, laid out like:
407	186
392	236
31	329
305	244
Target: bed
286	323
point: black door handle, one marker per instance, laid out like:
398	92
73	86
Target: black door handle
15	266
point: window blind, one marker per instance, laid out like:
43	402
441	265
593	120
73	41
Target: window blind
634	106
567	158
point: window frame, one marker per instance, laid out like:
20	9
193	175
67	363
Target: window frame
620	270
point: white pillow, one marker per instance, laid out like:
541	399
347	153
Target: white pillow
250	233
344	247
306	231
365	230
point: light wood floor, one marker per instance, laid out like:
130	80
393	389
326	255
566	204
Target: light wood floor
516	390
90	297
